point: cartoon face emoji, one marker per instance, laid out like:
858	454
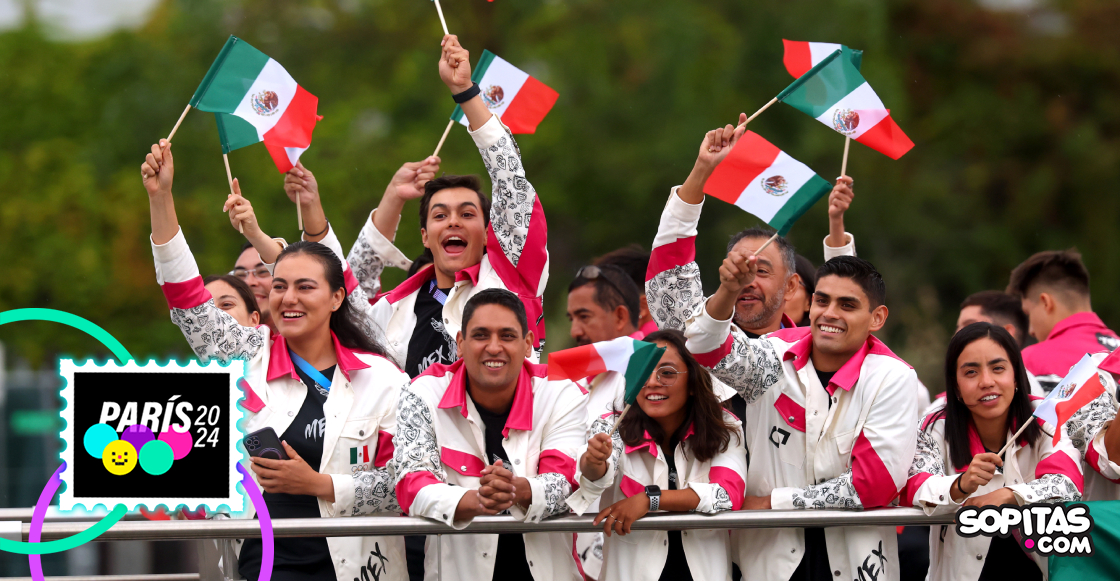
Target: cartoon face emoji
119	457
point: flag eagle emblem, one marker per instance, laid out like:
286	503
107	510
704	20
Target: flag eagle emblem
845	121
266	103
775	186
493	96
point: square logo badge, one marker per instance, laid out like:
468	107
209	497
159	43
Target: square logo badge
150	435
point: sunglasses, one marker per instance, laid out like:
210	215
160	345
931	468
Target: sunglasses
593	272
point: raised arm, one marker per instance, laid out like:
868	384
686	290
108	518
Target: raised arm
839	242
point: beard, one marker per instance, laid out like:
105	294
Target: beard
760	316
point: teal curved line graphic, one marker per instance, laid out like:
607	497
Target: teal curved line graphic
68	543
64	318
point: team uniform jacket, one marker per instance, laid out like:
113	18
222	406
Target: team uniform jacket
516	256
847	445
1068	342
718	482
1035	472
360	410
441	451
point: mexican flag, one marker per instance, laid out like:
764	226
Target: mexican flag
519	100
635	359
765	181
801	56
359	455
836	94
255	100
1081	386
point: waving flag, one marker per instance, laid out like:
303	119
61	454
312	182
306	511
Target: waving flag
635	359
1081	386
519	100
801	56
254	99
836	94
765	181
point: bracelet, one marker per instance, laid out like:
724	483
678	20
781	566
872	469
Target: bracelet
959	486
467	95
310	235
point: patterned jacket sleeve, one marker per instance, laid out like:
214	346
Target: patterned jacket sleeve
556	469
355	294
726	476
929	485
1086	430
416	470
371	253
589	490
749	366
1058	476
371	491
517	238
210	331
881	455
673	289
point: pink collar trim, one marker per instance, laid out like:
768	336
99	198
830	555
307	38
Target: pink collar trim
280	363
648	443
469	273
521	411
1087	318
411	284
848	374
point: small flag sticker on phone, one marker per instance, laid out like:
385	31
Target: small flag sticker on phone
356	457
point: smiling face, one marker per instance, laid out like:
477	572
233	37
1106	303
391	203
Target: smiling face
759	308
493	347
667	405
119	457
301	298
455	231
227	299
985	379
250	260
842	319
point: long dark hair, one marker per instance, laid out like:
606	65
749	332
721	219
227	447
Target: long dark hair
957	416
351	329
711	432
240	286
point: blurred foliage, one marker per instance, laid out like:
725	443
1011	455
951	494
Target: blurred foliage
1015	116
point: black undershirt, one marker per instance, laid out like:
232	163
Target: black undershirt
510	562
814	564
428	343
300	558
676	563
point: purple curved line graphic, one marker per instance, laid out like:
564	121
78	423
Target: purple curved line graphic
267	543
35	562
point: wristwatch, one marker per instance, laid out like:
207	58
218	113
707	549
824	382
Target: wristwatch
653	491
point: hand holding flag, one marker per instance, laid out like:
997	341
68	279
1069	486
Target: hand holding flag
1081	386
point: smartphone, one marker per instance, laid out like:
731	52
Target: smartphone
265	444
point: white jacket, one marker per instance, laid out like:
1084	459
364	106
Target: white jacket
360	410
718	482
1039	472
441	451
516	257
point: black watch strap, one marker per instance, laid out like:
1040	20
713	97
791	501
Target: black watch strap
467	95
654	493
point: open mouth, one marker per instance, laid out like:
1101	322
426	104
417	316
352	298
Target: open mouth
989	398
830	329
494	364
656	397
454	245
750	298
292	315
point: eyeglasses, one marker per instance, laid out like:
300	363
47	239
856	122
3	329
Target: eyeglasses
243	273
593	272
667	376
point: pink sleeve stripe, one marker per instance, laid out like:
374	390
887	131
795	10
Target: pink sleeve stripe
1094	459
669	256
731	482
560	463
873	482
911	489
384	449
630	487
525	278
350	279
410	485
712	358
251	402
1060	463
185	295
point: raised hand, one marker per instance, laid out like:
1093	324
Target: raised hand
838	202
717	144
300	185
455	65
980	471
241	215
737	271
408	183
158	169
593	463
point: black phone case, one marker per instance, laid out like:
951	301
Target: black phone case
265	444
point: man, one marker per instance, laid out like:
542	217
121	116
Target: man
488	434
830	416
995	307
474	245
1053	287
634	261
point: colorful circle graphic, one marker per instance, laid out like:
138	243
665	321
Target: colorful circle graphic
97	437
138	435
180	442
156	457
119	457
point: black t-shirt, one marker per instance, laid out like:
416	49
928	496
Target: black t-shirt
1006	560
300	558
814	564
676	563
510	561
825	377
429	343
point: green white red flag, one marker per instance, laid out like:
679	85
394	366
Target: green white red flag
254	99
635	359
765	181
518	99
1081	386
801	56
836	94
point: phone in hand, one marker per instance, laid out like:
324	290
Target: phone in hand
265	444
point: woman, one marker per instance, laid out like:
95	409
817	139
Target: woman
797	302
321	384
987	399
233	295
676	450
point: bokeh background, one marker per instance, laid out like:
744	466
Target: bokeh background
1014	107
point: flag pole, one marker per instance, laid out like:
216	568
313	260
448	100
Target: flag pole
1016	436
299	213
756	113
614	428
439	145
229	176
765	244
439	10
844	164
177	123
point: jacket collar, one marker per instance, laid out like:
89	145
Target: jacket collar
648	443
280	363
848	374
469	273
412	284
1085	319
520	413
